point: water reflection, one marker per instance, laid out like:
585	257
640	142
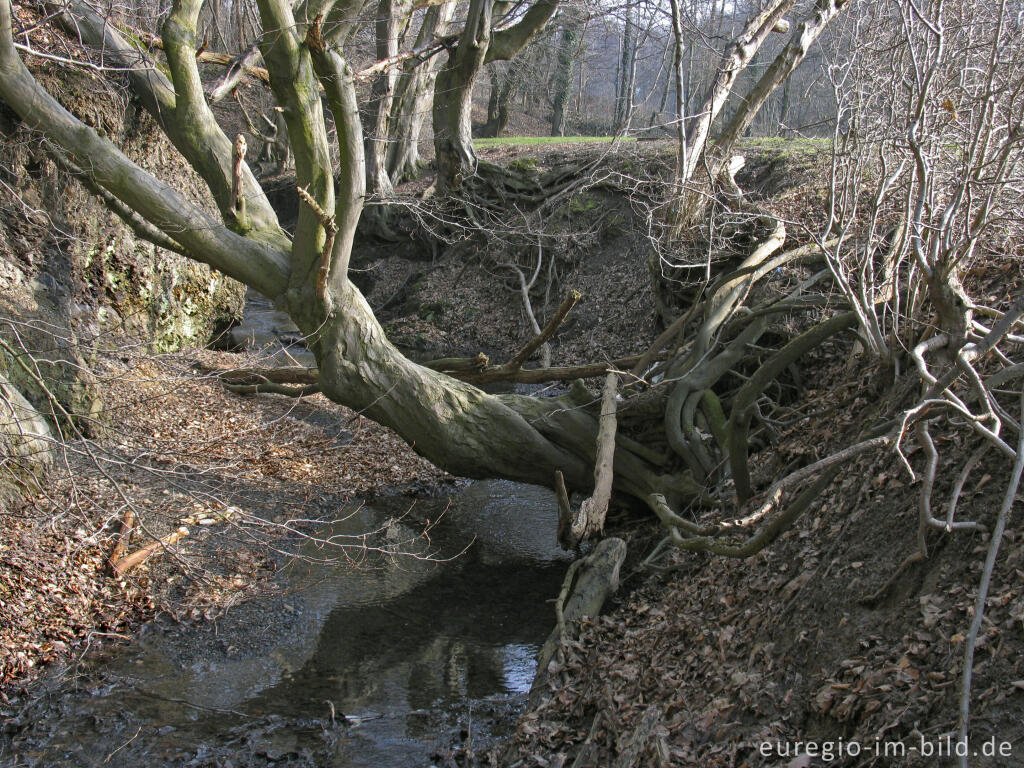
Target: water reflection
369	667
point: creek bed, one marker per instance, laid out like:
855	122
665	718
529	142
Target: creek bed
378	664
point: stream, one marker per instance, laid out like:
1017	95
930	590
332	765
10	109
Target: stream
387	661
380	664
270	332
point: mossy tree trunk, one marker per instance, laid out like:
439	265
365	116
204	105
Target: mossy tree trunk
454	424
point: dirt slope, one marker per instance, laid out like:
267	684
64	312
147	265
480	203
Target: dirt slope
822	638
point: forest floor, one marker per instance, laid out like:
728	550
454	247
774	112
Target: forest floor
709	661
179	448
703	661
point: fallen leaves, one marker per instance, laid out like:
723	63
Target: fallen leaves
183	452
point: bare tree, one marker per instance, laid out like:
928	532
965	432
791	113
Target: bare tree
451	422
681	431
412	96
925	184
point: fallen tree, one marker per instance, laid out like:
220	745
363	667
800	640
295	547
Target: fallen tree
683	428
448	420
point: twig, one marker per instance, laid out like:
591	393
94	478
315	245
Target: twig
331	229
564	536
192	704
107	760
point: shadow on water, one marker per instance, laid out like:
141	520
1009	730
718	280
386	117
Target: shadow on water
266	330
369	666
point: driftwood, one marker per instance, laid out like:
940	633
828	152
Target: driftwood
588	583
125	564
549	330
121	565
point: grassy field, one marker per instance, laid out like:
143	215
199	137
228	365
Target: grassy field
533	140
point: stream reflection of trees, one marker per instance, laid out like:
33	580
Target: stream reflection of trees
468	632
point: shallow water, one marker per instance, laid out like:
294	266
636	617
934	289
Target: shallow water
266	330
373	666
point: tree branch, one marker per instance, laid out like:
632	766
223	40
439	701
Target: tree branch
180	109
138	225
295	84
336	78
204	238
986	579
506	43
549	330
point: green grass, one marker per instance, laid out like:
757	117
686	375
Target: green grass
784	144
533	140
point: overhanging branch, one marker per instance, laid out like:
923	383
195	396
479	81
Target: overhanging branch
208	240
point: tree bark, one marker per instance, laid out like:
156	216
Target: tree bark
678	47
412	95
627	75
453	99
563	76
392	20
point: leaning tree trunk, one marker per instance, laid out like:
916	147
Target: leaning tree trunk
776	74
711	159
450	422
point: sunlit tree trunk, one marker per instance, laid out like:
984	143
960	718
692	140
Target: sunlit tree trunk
412	96
390	25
